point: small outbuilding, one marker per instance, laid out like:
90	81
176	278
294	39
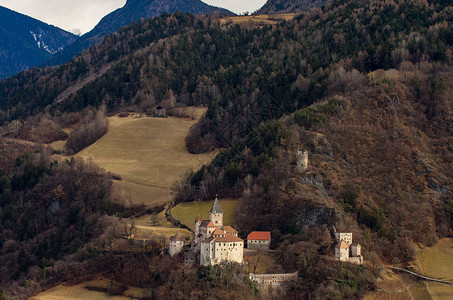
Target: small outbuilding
158	111
176	244
259	240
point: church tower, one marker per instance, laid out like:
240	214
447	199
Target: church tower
216	214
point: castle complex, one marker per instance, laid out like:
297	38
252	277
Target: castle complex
213	242
345	250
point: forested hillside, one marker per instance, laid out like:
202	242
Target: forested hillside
49	211
365	87
133	11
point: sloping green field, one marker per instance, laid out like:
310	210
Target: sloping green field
187	212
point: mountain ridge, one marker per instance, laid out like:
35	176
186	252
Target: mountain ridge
26	42
132	11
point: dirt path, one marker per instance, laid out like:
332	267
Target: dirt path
422	276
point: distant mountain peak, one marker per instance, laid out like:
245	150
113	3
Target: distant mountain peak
26	42
76	31
133	11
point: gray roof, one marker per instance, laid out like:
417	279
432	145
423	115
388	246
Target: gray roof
216	207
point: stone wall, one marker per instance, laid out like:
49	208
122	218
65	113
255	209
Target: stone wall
175	247
275	280
356	260
258	244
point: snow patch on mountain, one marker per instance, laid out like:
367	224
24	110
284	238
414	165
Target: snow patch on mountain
39	38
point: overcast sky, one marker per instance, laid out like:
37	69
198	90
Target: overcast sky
85	14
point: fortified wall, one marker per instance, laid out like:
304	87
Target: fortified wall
275	281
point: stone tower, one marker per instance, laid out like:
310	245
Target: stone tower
216	214
302	161
196	240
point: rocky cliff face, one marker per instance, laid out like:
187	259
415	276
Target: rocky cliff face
26	42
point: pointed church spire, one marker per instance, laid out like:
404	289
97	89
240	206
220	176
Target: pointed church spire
198	219
216	207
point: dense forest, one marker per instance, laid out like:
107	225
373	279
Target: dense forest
50	210
364	86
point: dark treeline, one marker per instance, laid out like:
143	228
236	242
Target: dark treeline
87	132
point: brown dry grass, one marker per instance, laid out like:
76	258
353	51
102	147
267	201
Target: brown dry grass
149	154
75	292
390	287
265	262
437	262
79	291
257	19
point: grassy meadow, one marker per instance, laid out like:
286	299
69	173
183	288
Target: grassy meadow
145	228
187	212
436	262
80	291
149	154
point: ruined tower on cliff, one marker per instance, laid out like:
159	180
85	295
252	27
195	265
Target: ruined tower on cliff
302	161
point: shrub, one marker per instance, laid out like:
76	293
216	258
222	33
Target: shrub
87	133
318	114
123	114
449	208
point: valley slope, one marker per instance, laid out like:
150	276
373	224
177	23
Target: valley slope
364	87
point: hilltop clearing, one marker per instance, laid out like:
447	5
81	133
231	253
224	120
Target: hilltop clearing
149	154
290	6
257	20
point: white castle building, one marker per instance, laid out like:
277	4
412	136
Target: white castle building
213	242
177	243
345	250
302	161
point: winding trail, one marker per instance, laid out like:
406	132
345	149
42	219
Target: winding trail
422	276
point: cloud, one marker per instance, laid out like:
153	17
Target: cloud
66	14
238	6
85	14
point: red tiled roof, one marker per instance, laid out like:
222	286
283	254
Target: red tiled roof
228	239
217	231
342	245
229	229
259	235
